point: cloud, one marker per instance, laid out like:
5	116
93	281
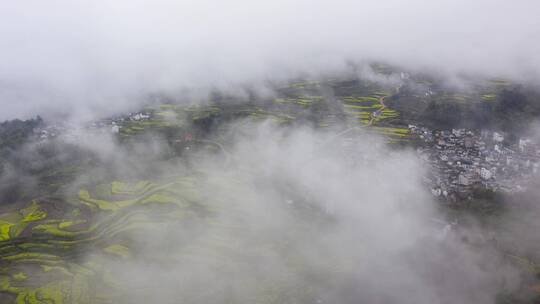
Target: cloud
297	221
102	56
284	214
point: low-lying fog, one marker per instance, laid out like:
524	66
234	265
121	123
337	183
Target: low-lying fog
296	220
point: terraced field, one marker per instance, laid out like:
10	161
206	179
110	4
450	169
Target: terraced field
303	100
165	116
73	251
299	102
367	110
53	256
60	250
176	117
371	111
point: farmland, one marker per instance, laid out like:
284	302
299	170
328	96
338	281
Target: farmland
70	232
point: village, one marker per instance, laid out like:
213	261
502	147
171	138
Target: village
462	160
459	160
73	131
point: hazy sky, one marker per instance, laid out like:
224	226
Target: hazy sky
81	55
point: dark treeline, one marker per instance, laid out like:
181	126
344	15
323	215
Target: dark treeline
14	133
512	111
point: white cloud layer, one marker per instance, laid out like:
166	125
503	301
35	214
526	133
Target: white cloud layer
93	55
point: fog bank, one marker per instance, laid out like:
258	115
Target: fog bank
299	222
101	56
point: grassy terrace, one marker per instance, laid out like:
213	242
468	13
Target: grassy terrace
166	117
305	101
489	97
63	258
41	251
13	223
369	111
44	252
365	110
44	246
301	101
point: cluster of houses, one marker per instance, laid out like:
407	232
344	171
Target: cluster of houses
464	159
116	122
461	160
70	130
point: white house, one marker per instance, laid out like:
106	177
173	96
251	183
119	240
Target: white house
498	137
523	143
464	179
485	174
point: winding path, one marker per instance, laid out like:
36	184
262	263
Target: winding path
374	115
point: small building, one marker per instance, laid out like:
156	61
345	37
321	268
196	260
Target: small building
523	144
464	179
485	174
498	137
457	132
468	142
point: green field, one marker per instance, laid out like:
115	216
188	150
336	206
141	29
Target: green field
102	219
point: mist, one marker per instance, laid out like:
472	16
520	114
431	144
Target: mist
298	221
249	205
98	57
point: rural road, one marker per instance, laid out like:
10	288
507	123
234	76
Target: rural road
379	111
